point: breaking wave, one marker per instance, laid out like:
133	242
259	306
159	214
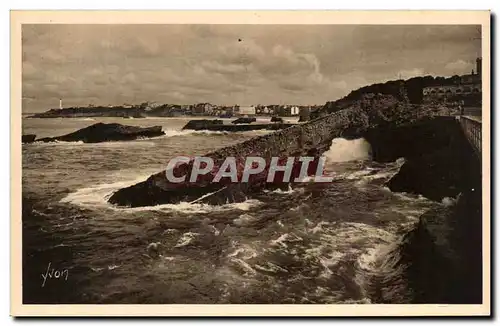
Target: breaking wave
97	197
343	150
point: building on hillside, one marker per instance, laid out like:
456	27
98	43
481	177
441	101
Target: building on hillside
466	89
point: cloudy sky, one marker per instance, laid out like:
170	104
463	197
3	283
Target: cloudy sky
230	64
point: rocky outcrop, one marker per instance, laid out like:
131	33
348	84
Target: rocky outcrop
442	256
97	111
308	139
102	132
26	139
204	124
440	259
435	149
238	127
244	120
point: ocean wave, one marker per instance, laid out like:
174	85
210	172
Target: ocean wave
244	252
290	190
186	239
343	150
97	197
338	240
59	143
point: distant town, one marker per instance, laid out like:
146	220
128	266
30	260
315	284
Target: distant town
454	91
176	110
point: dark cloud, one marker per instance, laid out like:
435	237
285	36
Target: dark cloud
228	64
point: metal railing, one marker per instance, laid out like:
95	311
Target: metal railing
472	130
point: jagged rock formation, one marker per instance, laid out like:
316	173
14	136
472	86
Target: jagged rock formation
243	120
202	124
26	139
434	148
440	259
102	132
402	91
97	111
308	139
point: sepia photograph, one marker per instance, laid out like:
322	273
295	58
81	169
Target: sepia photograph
251	160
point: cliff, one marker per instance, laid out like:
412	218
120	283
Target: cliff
409	91
101	132
440	259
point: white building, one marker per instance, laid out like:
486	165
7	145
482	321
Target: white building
246	110
294	110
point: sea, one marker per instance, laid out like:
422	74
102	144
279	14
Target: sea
315	243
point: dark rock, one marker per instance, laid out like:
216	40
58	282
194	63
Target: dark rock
244	120
202	124
101	132
436	153
277	119
445	247
308	139
26	139
443	250
97	111
304	117
218	125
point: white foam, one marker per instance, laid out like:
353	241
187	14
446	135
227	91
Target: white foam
271	268
337	240
245	220
59	143
244	252
243	265
186	239
284	192
99	194
343	150
448	201
97	197
286	238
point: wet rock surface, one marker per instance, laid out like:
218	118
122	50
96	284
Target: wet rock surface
102	132
26	139
309	139
202	124
441	257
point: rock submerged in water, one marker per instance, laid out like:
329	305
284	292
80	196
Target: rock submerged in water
102	132
309	139
244	120
201	124
26	139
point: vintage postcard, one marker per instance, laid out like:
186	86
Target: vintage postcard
302	163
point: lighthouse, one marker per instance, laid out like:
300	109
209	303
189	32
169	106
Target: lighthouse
60	104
